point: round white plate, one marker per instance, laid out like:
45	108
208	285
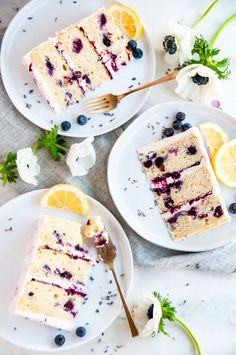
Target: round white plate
38	20
130	190
17	221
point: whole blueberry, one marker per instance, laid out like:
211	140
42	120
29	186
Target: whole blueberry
180	116
82	120
168	132
177	124
137	53
81	332
65	126
232	208
186	126
132	44
59	340
159	161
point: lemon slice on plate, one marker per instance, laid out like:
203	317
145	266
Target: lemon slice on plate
214	136
127	19
67	197
224	163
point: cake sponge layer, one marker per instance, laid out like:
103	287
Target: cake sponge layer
52	265
201	216
49	304
108	40
183	187
53	76
81	56
172	154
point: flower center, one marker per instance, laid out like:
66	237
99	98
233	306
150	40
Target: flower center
150	311
200	80
169	44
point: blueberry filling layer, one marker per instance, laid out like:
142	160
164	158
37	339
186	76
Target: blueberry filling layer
82	256
70	290
166	188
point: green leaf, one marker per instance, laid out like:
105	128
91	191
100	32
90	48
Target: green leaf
168	311
54	143
205	55
8	170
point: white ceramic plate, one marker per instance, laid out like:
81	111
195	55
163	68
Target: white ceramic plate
17	221
130	190
38	20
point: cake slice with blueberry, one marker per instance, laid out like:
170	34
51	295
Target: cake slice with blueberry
96	230
80	55
53	282
57	82
183	182
109	42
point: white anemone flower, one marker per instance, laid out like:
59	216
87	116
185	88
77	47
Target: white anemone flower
198	83
27	165
81	157
147	315
178	44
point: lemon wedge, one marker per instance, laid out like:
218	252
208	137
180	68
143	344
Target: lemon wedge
224	163
214	136
127	19
67	197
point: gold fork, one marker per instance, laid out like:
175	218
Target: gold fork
108	254
108	102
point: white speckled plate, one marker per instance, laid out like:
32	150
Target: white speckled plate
130	189
38	20
17	221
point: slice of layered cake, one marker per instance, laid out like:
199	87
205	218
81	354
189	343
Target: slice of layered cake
96	230
109	42
58	83
52	285
183	182
81	56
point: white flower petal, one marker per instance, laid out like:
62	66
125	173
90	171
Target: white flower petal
145	325
27	165
81	157
187	89
184	37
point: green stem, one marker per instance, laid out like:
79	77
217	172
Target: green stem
205	13
221	28
62	147
35	148
189	332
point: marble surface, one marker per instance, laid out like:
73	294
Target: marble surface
206	301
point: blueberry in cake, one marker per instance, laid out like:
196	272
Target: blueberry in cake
79	58
183	182
96	230
53	282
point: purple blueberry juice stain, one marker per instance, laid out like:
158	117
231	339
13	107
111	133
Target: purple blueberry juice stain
58	237
193	212
202	215
49	66
30	67
113	62
68	306
169	203
173	151
46	268
218	212
87	79
102	20
64	274
191	150
77	45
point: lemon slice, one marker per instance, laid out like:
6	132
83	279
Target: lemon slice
127	19
214	136
224	163
67	197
